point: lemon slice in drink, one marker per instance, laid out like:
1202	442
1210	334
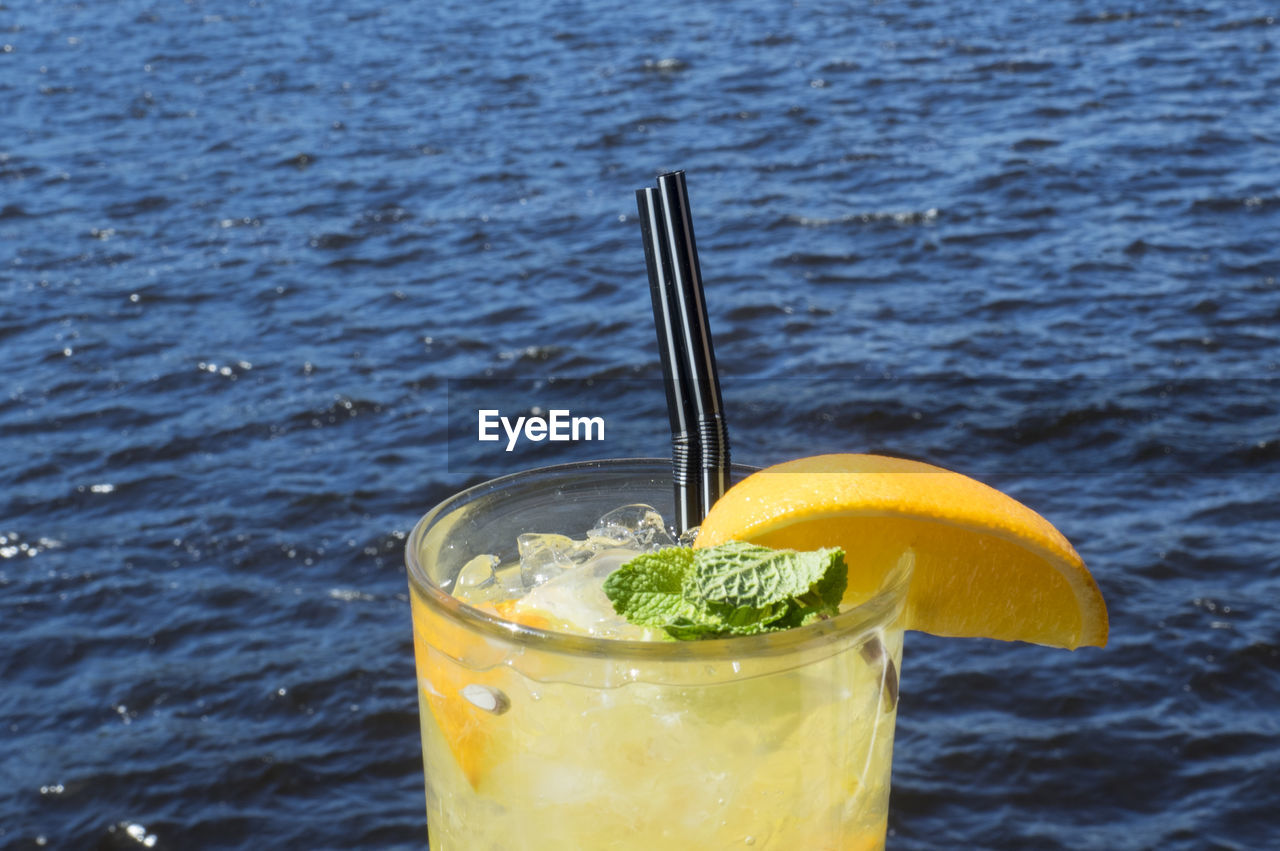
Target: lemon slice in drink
985	564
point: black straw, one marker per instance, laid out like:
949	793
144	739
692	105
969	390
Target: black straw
707	411
685	458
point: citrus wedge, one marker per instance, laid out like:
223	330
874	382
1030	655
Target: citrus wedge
985	564
466	703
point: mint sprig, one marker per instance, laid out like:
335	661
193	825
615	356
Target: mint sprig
726	590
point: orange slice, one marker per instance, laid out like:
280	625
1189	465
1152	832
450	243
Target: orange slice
465	703
985	564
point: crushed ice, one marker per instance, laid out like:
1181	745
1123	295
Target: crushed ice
635	528
576	598
562	578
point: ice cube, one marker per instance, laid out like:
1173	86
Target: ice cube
475	582
545	556
510	580
576	601
484	580
636	526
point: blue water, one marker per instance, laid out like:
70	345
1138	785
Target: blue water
251	251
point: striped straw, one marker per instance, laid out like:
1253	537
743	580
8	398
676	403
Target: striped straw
675	371
708	406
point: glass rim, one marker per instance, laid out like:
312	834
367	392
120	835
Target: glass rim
881	609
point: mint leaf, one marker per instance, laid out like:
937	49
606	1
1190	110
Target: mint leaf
823	599
648	590
731	589
741	574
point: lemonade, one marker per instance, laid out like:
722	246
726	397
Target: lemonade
551	721
534	738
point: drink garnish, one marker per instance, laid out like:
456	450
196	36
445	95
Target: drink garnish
731	589
985	565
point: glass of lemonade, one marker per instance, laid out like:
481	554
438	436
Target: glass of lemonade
560	729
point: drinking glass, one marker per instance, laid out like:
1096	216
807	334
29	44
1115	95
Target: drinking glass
534	739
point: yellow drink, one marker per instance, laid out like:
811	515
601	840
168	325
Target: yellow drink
534	738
